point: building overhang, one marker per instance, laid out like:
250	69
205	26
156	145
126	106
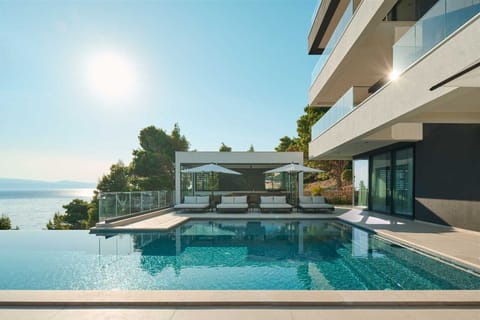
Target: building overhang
325	21
397	112
362	56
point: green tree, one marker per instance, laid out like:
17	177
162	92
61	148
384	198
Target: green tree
76	214
153	164
305	124
251	149
334	168
92	211
225	148
118	179
5	223
57	223
75	217
287	144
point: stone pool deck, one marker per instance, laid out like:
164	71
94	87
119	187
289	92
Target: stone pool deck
459	246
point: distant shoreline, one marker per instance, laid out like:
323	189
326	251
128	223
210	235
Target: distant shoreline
24	184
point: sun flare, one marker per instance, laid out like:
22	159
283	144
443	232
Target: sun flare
111	76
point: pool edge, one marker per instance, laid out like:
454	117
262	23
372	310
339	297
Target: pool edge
252	298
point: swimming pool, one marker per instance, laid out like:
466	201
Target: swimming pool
223	255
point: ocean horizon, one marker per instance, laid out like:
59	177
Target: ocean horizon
32	209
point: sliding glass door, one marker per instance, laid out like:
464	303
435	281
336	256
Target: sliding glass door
381	182
391	181
403	185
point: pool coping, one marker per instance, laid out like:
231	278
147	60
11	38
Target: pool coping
244	298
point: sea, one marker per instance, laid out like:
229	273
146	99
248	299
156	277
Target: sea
32	209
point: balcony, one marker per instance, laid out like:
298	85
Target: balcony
341	26
444	18
339	110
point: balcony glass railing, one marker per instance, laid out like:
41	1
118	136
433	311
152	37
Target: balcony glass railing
339	110
342	25
117	204
439	22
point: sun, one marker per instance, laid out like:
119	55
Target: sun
111	76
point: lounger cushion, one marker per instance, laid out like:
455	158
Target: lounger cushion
203	200
189	199
264	199
318	199
279	199
305	200
227	200
240	199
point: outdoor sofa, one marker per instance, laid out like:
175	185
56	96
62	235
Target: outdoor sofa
233	204
274	204
314	203
194	203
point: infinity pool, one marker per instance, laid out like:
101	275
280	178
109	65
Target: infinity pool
222	255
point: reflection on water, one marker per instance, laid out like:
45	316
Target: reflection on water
221	255
310	255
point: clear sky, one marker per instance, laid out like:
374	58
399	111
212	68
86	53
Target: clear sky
80	79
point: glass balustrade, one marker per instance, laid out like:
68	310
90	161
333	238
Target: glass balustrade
116	204
342	25
439	22
339	110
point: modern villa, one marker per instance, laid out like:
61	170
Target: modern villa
402	80
238	239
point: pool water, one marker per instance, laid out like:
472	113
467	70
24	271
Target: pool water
222	255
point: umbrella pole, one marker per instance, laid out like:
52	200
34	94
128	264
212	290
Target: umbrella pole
194	182
212	201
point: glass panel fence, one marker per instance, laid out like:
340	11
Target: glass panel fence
116	204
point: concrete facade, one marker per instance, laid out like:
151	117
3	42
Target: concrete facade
447	175
431	103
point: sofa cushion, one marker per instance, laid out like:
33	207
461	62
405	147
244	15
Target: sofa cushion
266	199
240	199
279	199
190	200
227	200
305	200
203	200
318	199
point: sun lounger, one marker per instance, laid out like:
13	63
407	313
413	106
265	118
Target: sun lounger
233	204
195	203
314	203
274	204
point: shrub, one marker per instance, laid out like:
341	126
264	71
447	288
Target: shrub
316	191
5	223
342	196
347	175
